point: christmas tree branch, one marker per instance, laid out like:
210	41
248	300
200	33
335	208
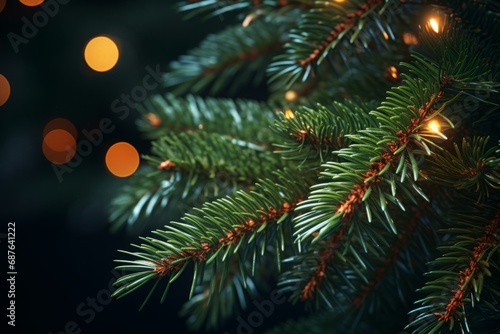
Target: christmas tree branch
323	29
226	60
405	240
462	270
190	168
245	120
310	136
402	135
216	232
472	167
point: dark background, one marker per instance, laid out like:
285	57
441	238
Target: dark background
64	250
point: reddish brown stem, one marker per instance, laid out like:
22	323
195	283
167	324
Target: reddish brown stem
325	257
348	207
232	237
351	20
488	240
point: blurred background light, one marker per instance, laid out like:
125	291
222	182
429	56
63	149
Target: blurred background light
60	123
101	53
59	146
4	90
31	3
122	159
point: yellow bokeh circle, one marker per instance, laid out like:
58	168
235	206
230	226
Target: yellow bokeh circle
101	53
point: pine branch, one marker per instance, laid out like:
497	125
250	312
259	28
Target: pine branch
366	225
245	120
213	155
387	154
461	271
473	167
395	144
324	28
226	60
248	222
401	136
365	77
405	260
310	137
348	274
141	198
189	168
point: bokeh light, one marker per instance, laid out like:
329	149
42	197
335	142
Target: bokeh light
4	90
60	123
393	71
410	39
101	53
291	96
59	146
31	3
122	159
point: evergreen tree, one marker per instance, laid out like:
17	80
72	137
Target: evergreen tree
364	186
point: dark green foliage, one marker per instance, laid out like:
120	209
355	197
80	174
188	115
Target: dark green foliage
469	265
241	119
363	211
350	26
309	137
226	60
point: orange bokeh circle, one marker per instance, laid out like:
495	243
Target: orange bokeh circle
4	90
31	3
59	146
60	123
122	159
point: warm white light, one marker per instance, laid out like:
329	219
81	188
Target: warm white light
289	113
434	126
434	25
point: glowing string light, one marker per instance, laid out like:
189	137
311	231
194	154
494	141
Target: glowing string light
434	25
289	113
436	128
